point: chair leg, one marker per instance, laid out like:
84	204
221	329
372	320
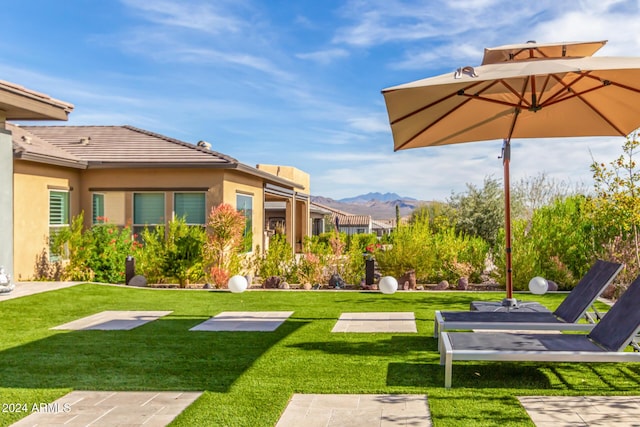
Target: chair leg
448	370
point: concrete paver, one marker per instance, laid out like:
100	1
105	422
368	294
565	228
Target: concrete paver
376	322
356	410
29	288
256	321
107	408
591	411
113	320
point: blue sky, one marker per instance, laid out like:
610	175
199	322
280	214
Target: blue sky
298	82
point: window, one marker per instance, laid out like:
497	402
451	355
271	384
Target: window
97	214
58	218
191	207
148	210
244	204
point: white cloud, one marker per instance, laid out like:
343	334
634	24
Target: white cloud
205	17
324	56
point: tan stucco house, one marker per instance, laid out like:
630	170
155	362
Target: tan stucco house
18	103
134	177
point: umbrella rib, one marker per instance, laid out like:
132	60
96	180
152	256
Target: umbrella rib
408	141
426	107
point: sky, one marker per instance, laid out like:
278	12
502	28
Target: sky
298	82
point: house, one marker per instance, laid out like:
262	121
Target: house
348	223
275	218
18	103
135	177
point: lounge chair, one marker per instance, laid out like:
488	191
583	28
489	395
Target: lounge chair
605	343
564	318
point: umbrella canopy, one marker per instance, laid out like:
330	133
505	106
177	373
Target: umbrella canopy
529	50
519	98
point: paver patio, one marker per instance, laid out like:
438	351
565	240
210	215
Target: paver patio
113	321
255	321
376	322
107	408
560	411
29	288
365	410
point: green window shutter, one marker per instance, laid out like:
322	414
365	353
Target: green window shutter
58	208
148	208
98	209
191	206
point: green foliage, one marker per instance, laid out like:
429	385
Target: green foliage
556	244
183	251
435	256
440	215
310	269
96	254
616	207
73	242
278	259
109	247
480	211
151	254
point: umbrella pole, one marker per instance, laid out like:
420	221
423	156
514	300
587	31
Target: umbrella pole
509	301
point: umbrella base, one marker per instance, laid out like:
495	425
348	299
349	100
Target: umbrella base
510	302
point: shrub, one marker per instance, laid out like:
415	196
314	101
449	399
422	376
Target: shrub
183	252
225	227
278	260
96	254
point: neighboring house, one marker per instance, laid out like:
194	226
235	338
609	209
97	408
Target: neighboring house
135	177
18	103
382	227
346	222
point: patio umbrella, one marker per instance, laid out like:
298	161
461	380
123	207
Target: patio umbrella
540	96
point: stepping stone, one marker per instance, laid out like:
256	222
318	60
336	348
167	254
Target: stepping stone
255	321
113	321
356	410
553	411
108	408
376	322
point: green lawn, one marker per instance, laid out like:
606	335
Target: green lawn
248	377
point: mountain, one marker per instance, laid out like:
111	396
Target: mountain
368	204
380	197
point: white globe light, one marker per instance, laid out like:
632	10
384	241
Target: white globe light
388	285
237	284
538	285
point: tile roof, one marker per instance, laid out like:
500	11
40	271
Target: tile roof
19	103
121	147
27	144
346	219
104	146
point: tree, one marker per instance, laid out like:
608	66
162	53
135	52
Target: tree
440	215
616	205
480	211
531	193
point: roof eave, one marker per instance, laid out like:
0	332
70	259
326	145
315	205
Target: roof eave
266	175
50	160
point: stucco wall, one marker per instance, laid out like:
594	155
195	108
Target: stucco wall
222	186
32	183
6	202
235	183
290	173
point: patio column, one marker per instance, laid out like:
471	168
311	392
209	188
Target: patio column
6	198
